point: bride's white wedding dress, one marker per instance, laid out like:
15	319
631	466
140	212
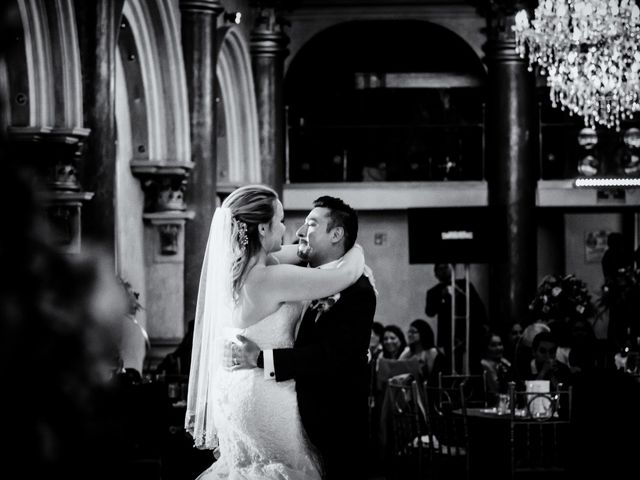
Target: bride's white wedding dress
261	435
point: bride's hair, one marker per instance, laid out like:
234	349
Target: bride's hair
250	206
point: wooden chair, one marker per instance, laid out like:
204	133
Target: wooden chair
447	435
407	449
474	387
540	434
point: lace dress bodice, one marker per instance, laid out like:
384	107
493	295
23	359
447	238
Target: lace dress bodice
259	428
276	330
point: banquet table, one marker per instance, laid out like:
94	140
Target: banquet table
489	448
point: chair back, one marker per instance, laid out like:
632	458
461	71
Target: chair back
540	434
447	431
474	387
406	429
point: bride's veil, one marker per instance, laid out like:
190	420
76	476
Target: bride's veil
213	314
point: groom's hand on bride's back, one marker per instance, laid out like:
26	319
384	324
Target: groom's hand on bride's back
241	353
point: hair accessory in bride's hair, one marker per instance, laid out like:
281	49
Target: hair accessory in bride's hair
243	240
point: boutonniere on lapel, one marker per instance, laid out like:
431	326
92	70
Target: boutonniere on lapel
322	305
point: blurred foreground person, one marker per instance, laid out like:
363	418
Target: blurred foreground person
59	317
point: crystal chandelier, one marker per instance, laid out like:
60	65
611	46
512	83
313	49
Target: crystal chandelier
589	52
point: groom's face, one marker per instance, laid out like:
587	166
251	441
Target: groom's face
313	238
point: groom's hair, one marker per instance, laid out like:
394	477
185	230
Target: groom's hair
341	215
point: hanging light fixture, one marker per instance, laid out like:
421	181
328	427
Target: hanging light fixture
589	52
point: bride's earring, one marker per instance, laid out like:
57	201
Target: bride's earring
262	230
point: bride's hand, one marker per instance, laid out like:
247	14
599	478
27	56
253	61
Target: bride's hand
353	260
241	354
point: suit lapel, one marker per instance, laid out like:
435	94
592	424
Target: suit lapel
306	325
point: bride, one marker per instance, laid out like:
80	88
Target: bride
251	423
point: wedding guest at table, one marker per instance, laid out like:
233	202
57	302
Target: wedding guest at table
393	342
389	363
497	368
544	365
375	343
511	340
386	365
421	345
522	352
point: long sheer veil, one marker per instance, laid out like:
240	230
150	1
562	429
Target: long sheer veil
213	315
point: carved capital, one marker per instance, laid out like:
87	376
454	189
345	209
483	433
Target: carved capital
64	216
268	37
169	235
164	184
212	7
53	153
500	15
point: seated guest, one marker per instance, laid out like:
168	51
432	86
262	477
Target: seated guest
544	365
497	368
386	366
389	363
393	342
523	353
375	343
515	333
422	347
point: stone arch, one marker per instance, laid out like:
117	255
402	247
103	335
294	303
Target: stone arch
39	62
157	42
235	78
50	51
66	63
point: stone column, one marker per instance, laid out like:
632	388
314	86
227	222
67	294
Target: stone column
99	24
199	22
268	51
512	171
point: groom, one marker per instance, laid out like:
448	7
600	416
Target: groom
329	357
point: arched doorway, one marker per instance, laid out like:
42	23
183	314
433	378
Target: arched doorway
364	107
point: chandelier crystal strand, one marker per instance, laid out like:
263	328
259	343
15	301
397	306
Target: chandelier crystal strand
589	52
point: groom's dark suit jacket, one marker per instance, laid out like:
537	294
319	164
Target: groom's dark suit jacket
329	364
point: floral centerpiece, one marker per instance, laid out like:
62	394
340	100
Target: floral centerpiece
561	298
